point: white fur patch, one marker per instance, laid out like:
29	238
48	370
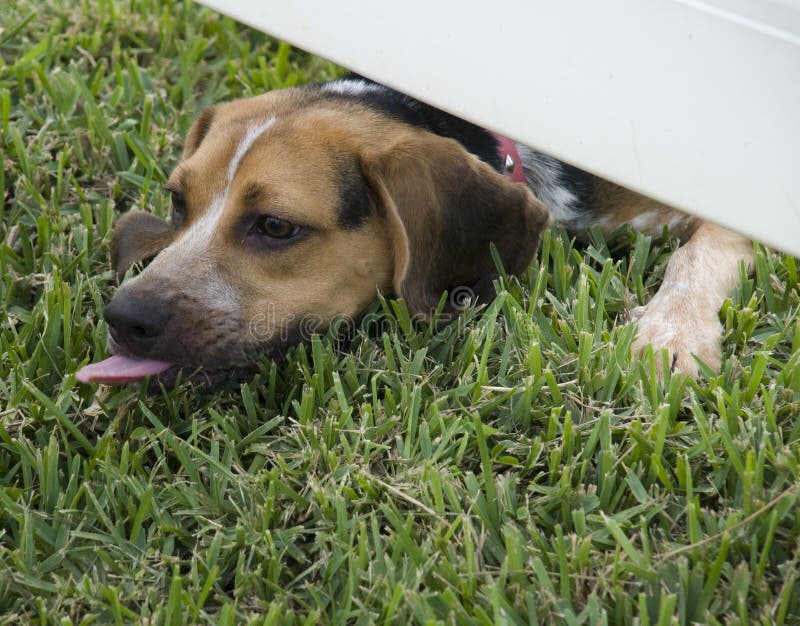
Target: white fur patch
678	221
652	222
253	133
189	256
199	235
352	87
543	174
647	221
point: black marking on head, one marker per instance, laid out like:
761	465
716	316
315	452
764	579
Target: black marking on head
354	88
399	106
476	140
354	198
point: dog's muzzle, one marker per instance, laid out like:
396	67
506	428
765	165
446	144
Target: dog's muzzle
136	325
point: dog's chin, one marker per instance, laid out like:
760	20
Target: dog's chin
123	368
221	376
214	371
203	377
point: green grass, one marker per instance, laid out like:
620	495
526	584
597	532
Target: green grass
515	467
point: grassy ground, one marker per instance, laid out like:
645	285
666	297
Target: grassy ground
516	467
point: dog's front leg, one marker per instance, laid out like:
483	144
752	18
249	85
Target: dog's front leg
683	316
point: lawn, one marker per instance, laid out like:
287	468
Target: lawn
515	466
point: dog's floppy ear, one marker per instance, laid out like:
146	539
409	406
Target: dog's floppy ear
138	236
444	208
198	131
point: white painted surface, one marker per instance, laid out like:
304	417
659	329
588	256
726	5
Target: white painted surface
696	103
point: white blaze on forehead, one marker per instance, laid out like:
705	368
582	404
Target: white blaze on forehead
190	252
253	133
200	233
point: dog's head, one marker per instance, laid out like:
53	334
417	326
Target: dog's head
294	205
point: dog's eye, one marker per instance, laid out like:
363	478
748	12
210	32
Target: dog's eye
178	208
275	228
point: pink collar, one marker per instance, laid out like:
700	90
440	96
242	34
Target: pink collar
509	157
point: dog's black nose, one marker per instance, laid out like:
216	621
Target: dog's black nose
136	321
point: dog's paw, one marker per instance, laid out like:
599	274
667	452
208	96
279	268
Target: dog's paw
682	332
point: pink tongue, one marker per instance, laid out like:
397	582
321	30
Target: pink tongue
119	369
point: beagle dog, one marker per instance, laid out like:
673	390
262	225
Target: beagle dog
309	201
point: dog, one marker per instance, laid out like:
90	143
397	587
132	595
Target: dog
309	201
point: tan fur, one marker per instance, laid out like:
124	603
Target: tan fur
434	208
330	273
683	317
417	177
274	155
617	206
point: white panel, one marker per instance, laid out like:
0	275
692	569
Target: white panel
694	103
